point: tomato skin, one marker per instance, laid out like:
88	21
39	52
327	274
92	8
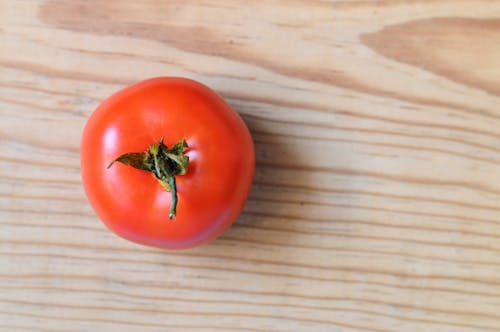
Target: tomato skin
131	202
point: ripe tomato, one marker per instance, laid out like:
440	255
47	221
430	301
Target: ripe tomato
134	203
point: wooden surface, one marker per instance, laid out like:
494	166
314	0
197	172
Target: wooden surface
376	199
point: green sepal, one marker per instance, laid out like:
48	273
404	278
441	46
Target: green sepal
139	160
163	163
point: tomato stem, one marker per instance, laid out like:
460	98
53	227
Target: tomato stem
163	163
173	204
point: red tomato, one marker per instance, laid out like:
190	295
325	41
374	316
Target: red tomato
131	202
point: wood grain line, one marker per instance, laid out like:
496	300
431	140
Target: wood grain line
375	302
249	271
331	308
483	280
370	131
114	321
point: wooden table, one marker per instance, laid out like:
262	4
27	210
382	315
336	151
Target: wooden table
376	201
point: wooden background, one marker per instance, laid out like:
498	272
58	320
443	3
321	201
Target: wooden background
376	199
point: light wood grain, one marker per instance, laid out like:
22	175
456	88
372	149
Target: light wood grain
376	199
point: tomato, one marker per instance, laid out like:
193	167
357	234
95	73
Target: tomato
186	123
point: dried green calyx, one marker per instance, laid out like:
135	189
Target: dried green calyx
163	163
